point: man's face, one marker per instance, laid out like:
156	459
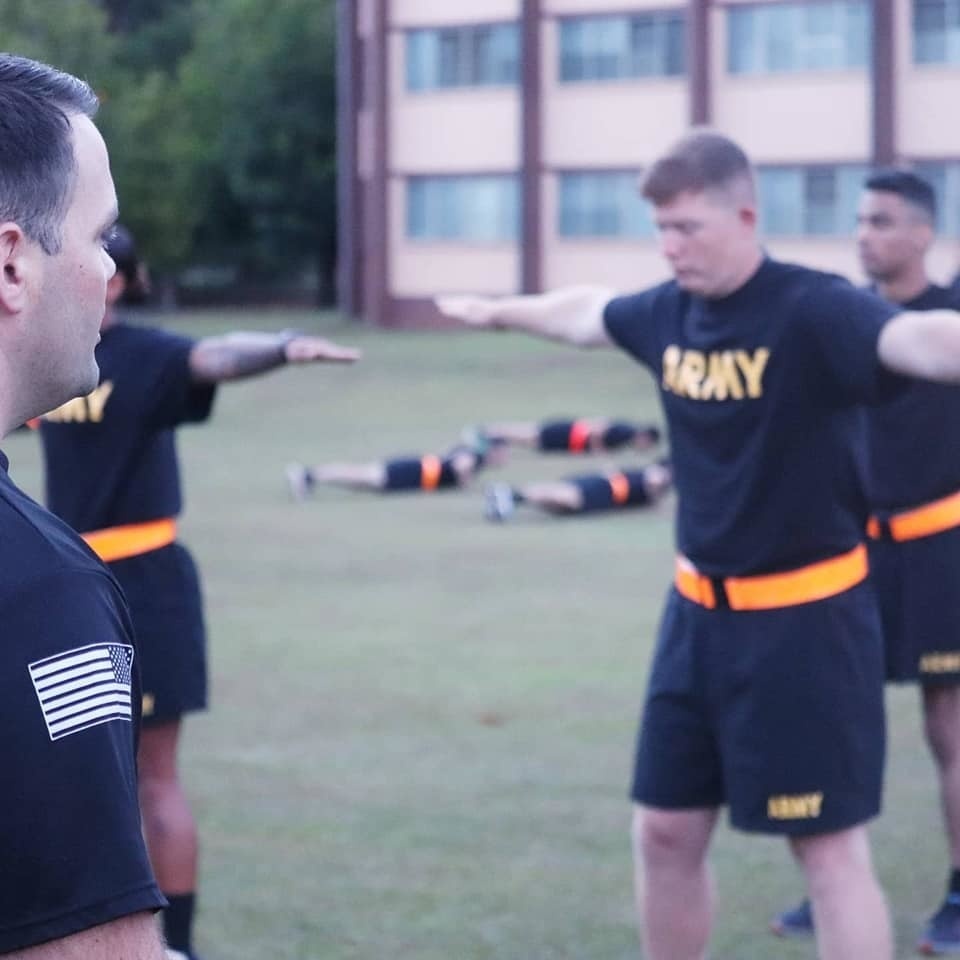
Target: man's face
73	288
705	238
893	236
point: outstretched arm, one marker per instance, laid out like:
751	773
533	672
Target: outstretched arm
923	344
133	938
572	315
235	356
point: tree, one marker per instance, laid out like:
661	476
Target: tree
264	77
70	36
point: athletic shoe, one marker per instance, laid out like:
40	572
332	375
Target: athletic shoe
299	481
795	922
499	503
941	936
180	955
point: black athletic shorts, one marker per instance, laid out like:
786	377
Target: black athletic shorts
777	713
163	591
918	585
408	473
624	489
555	435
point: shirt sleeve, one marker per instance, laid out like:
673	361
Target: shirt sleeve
71	845
175	398
629	322
844	324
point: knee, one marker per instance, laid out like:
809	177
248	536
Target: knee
941	714
832	858
661	838
153	791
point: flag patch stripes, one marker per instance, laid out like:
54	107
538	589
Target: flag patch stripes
84	687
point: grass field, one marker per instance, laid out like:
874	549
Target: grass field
422	727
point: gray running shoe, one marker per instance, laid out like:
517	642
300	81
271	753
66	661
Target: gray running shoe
299	481
498	502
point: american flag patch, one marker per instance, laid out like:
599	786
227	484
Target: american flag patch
84	687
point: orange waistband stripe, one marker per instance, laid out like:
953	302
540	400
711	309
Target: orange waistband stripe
769	591
131	539
579	436
931	518
619	487
430	469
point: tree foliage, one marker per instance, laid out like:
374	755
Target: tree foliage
220	116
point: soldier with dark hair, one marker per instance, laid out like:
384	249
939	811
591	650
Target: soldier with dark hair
914	534
77	880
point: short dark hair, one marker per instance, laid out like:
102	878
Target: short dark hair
122	249
37	164
123	252
702	160
907	185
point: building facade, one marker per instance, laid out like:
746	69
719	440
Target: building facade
494	146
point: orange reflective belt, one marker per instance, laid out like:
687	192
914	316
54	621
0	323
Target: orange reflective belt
768	591
931	518
131	539
619	487
430	469
579	436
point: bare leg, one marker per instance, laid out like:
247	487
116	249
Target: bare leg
356	476
518	433
849	909
556	497
168	824
675	894
941	713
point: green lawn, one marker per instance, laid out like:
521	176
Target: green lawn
422	728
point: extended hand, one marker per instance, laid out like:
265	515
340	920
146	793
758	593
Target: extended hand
471	310
307	349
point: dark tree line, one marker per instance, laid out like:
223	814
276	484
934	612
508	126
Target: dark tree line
221	118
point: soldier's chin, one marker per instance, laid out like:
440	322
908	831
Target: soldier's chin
691	282
90	380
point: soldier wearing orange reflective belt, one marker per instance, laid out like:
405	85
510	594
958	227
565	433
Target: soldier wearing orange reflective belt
914	485
112	474
766	691
577	435
582	493
426	472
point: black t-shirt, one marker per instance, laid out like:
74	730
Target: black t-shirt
111	456
71	847
760	392
914	451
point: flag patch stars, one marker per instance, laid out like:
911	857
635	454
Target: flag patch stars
84	687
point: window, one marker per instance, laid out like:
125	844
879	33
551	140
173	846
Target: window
945	178
615	48
476	208
602	204
487	55
793	37
936	31
810	201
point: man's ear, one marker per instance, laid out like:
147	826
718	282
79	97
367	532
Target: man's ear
924	237
17	264
748	215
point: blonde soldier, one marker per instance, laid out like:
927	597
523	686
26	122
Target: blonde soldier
766	692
